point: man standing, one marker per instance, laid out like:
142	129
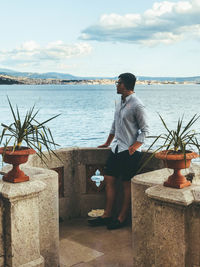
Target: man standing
128	130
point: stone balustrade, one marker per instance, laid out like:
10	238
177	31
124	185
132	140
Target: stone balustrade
80	194
29	229
165	221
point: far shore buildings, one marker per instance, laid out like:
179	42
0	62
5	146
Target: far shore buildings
6	79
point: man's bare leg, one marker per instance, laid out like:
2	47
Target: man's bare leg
126	201
110	195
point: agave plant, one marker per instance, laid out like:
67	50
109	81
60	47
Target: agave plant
178	141
181	138
28	132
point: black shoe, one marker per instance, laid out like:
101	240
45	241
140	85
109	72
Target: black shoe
116	224
99	221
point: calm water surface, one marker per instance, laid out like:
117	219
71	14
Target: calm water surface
87	110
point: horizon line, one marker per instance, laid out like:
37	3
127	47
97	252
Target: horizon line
167	76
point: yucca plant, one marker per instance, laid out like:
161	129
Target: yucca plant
28	132
183	137
178	141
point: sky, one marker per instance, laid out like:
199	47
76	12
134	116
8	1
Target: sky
101	38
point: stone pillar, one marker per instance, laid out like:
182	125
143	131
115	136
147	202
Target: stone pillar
170	208
142	217
1	232
48	213
20	220
166	222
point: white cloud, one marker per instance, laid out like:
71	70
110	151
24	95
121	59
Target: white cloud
29	46
117	21
163	23
159	9
163	38
30	53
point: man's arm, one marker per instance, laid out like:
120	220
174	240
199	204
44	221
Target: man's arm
108	142
110	137
141	118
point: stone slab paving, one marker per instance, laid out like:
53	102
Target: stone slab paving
82	245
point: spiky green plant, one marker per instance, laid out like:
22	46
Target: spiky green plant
177	141
29	131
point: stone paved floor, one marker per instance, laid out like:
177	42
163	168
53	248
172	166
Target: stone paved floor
82	245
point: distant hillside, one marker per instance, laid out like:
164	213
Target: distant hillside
47	75
32	75
4	80
66	76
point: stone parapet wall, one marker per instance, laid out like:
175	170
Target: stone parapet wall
79	196
29	230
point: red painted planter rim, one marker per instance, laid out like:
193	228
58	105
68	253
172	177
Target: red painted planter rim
166	156
23	151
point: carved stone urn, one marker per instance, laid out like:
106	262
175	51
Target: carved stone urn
16	158
176	161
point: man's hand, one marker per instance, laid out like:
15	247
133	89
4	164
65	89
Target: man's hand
107	143
134	147
104	145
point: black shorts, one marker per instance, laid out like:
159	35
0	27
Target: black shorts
123	165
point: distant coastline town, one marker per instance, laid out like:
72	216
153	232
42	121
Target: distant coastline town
8	77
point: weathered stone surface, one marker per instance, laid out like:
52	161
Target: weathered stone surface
35	263
14	192
81	181
69	207
23	232
142	239
74	160
48	214
64	154
195	169
92	155
193	240
1	233
142	216
196	194
172	195
165	221
48	209
21	222
169	235
152	178
73	252
153	164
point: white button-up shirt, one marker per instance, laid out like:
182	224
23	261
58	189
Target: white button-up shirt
130	123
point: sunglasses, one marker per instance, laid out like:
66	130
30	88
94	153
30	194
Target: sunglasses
118	83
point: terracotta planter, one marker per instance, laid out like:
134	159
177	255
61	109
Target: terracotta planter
176	162
16	158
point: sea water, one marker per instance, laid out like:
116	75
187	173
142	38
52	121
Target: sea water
86	111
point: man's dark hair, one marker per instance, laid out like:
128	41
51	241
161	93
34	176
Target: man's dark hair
128	80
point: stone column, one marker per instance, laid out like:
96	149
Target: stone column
1	232
48	212
20	221
166	223
170	208
142	217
